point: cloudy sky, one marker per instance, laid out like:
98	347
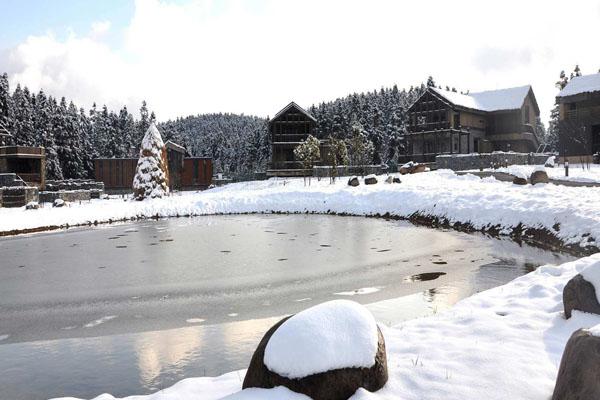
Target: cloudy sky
197	56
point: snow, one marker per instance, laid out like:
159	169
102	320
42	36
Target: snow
332	335
466	199
371	176
550	161
539	168
592	275
504	343
581	84
595	330
577	173
491	100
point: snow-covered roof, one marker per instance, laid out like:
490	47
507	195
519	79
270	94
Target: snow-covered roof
175	146
489	100
293	104
581	84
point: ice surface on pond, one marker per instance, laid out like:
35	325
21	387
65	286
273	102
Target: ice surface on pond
332	335
366	290
100	321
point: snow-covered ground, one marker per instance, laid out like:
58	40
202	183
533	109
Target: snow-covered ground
504	343
577	172
570	213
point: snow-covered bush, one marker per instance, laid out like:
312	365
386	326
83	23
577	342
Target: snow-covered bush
151	175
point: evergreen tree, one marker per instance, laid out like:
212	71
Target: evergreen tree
6	108
430	81
151	175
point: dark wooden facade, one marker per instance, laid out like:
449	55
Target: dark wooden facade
450	123
287	129
29	163
579	122
185	173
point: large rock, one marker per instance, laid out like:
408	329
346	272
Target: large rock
397	180
579	373
337	384
353	181
370	180
538	176
519	180
580	295
389	179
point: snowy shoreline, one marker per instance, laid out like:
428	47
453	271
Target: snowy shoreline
563	218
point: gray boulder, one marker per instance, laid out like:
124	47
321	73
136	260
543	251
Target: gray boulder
538	177
370	180
59	203
353	181
32	205
339	384
579	373
519	180
580	295
389	179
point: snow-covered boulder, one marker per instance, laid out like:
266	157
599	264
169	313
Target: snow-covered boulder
412	167
59	203
550	162
32	205
538	175
370	179
353	181
519	178
325	352
579	372
581	292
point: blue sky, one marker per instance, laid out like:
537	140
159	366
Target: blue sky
254	56
22	18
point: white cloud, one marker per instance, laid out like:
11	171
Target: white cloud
99	29
237	56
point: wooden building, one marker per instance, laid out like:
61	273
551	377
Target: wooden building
185	173
29	163
579	118
287	129
445	122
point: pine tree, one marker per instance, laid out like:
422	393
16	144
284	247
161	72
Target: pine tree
360	148
23	129
430	81
45	108
6	107
151	176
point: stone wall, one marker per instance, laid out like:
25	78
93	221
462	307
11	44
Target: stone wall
66	195
325	171
461	162
74	184
18	196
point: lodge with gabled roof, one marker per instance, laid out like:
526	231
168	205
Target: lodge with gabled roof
447	122
287	129
579	118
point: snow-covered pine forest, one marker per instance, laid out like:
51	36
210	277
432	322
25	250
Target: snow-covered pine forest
238	144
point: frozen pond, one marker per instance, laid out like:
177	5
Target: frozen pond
133	308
